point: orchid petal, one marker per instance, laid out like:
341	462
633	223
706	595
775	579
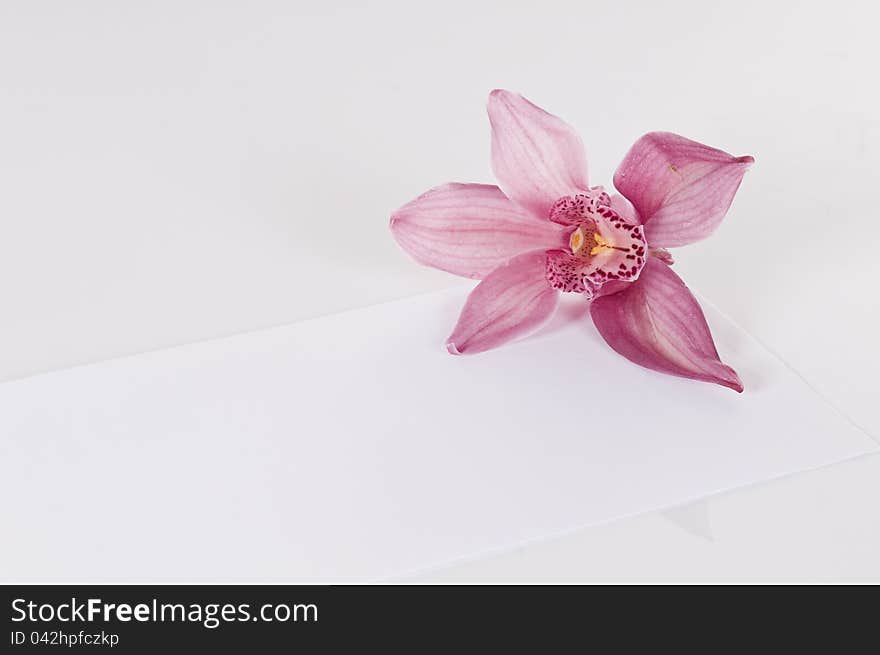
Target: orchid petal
624	209
511	302
469	229
536	156
682	189
656	322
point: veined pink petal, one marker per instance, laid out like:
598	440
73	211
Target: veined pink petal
511	302
682	189
656	322
469	229
536	156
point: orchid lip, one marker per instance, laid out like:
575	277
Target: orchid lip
602	246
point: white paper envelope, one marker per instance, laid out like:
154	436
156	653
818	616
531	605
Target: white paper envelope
353	448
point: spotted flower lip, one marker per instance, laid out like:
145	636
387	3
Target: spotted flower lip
544	231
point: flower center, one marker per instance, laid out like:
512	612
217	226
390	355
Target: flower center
586	240
602	246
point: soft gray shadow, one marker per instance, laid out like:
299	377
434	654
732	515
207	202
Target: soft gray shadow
692	518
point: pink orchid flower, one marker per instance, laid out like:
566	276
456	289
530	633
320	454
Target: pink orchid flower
546	231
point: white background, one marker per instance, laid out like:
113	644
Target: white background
173	171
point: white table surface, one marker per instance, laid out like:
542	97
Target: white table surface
175	171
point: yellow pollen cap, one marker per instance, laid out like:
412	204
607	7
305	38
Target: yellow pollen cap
576	240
